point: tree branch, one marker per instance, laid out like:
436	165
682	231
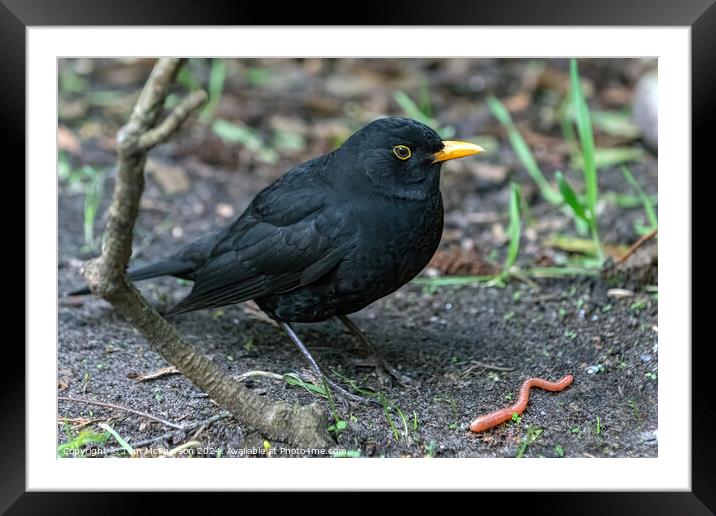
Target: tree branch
169	126
105	276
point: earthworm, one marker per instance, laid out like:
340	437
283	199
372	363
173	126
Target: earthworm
486	421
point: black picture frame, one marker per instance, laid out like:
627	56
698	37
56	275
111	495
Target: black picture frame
17	15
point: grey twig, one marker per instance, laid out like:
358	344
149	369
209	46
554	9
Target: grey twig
171	123
123	409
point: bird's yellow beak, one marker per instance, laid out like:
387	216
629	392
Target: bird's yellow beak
454	150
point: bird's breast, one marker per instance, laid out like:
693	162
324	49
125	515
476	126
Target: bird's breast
395	242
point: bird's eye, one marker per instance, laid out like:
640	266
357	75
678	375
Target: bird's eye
402	152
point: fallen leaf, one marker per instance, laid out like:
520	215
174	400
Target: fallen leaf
615	96
172	179
518	102
76	422
67	140
455	261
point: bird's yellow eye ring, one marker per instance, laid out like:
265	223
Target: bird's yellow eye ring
402	152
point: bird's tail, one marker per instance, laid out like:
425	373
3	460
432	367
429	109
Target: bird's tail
170	267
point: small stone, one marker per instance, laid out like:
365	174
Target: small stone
646	108
619	293
648	437
225	210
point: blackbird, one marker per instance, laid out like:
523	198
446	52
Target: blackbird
330	236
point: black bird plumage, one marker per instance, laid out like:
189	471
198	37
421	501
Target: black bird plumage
329	237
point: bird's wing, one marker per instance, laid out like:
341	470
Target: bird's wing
289	237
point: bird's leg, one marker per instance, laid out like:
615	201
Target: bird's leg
314	365
383	367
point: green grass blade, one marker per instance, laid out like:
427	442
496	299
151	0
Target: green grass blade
124	444
645	200
522	150
570	197
217	77
621	200
186	77
86	437
244	135
615	124
559	272
452	281
411	108
586	138
293	379
611	156
514	230
426	104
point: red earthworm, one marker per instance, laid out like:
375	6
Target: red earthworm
486	421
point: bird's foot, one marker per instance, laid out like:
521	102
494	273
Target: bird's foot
386	373
344	393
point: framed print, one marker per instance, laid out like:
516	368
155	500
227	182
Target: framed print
406	252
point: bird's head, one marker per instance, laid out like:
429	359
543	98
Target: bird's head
400	157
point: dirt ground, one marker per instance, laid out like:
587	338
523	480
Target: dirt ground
465	348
